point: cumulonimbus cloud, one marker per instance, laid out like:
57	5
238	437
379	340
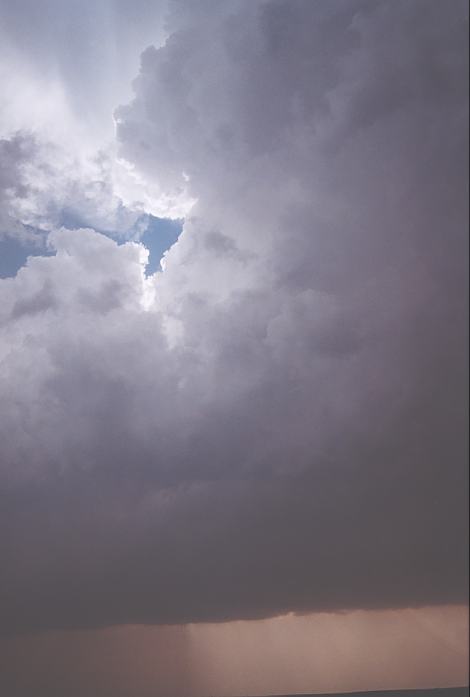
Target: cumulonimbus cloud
277	421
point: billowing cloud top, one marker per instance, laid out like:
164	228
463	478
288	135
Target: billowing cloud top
277	422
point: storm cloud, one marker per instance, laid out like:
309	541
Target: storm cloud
275	422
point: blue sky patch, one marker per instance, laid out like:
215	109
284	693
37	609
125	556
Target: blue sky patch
13	255
159	236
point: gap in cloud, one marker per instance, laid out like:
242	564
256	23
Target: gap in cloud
160	235
156	234
120	229
14	254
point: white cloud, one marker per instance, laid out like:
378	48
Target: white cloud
63	69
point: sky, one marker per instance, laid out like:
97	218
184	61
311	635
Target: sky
233	346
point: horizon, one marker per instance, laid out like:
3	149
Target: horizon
455	688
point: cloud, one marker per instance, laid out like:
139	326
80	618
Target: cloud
43	186
15	152
277	422
63	70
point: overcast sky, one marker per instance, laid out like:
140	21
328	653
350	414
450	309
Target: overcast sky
273	419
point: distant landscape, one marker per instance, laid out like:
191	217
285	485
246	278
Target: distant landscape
435	692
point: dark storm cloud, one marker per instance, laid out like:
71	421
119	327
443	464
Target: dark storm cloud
278	421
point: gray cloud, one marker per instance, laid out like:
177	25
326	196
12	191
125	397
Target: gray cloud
277	422
15	153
